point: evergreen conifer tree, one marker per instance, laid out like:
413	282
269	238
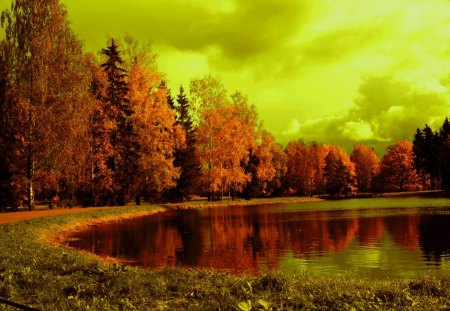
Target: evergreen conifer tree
118	112
444	154
431	153
444	131
428	154
185	157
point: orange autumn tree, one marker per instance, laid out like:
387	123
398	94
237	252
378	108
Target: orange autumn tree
300	170
225	133
265	170
318	155
156	132
305	167
367	166
339	172
279	163
398	172
98	184
46	90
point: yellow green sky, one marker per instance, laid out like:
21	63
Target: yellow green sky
343	72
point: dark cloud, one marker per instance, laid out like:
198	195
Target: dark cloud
339	43
252	27
237	35
258	26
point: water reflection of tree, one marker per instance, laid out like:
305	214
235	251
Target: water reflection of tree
249	239
404	230
435	237
253	241
187	223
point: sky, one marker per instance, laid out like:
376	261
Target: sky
342	72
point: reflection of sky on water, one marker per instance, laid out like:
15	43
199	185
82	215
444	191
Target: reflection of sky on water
385	259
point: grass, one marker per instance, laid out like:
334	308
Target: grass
203	202
34	273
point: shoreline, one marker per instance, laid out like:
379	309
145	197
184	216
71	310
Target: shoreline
37	274
57	236
200	204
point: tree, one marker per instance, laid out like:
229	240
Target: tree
444	131
397	167
367	166
305	167
445	164
444	154
46	90
157	134
185	155
260	166
339	172
225	134
7	138
98	185
426	147
299	173
279	163
318	155
118	112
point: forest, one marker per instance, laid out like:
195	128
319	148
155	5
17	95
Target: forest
78	128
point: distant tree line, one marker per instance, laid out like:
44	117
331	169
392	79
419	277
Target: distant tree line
81	129
432	156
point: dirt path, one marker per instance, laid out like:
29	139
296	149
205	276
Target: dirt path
25	215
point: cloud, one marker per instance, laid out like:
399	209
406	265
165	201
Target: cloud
239	29
357	130
292	128
338	43
386	110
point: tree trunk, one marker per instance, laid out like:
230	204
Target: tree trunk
30	162
30	193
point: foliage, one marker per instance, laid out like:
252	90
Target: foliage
225	134
305	167
185	155
261	166
154	123
367	166
397	167
339	172
118	113
279	163
45	91
299	171
426	156
445	164
430	156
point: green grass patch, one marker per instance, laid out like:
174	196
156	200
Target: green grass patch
204	203
36	274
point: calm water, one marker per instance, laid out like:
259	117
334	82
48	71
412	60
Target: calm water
378	237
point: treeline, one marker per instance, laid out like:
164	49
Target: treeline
432	156
82	129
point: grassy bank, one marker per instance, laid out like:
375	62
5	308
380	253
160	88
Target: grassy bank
36	274
204	203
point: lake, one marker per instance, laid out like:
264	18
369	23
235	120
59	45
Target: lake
380	237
